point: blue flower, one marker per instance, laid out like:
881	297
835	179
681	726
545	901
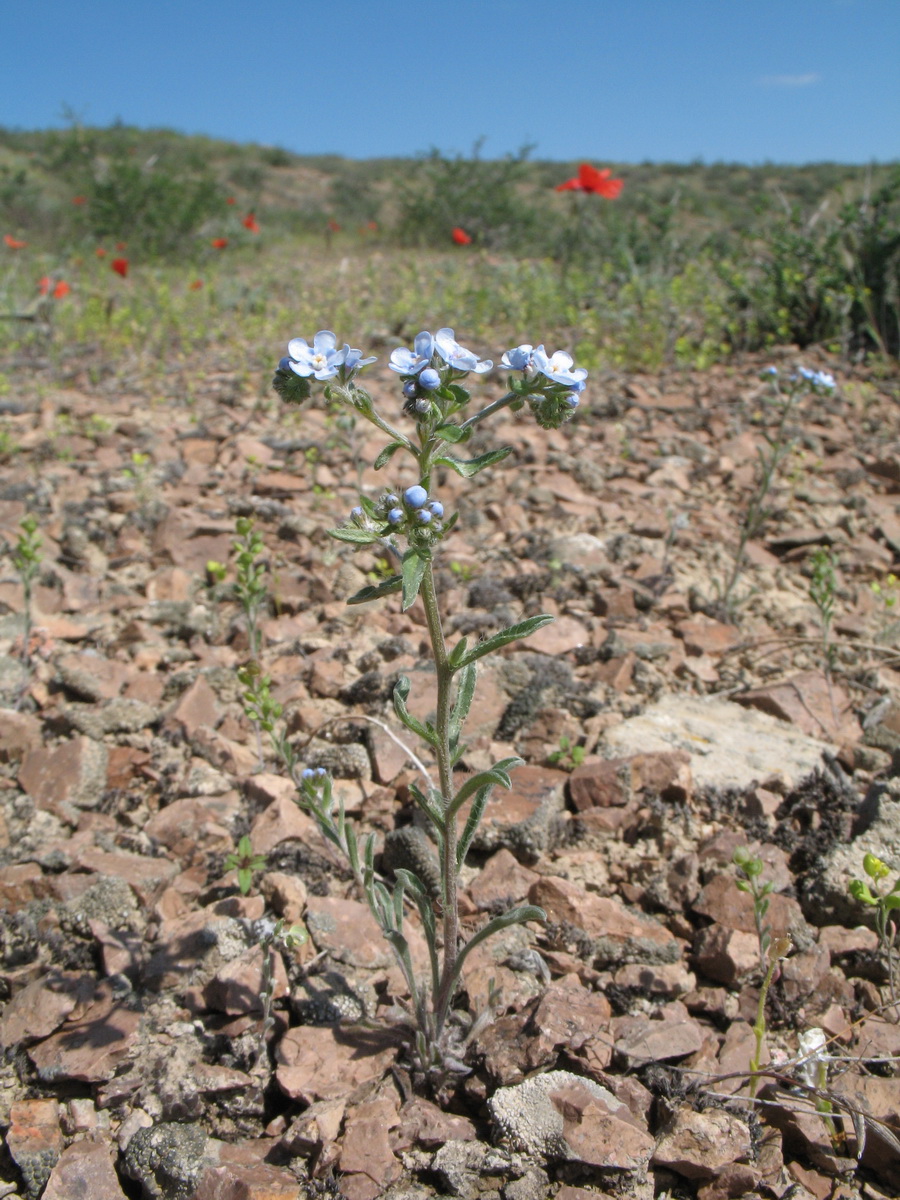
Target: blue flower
423	516
353	360
457	356
436	508
411	362
517	359
429	379
415	496
321	359
771	371
395	516
817	378
558	367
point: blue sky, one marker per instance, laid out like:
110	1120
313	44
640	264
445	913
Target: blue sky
606	80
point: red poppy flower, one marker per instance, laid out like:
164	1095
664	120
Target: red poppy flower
14	243
44	285
100	252
461	237
196	285
219	243
120	266
333	226
120	245
589	179
250	222
372	225
61	289
230	200
79	200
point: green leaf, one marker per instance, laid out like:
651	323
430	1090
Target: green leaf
511	634
387	454
386	588
430	805
451	433
465	691
497	774
476	812
401	691
417	890
467	467
413	571
347	533
515	916
458	653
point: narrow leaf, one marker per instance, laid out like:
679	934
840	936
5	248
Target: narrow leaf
386	588
401	691
467	467
450	432
413	570
512	633
430	805
515	916
347	533
458	653
473	820
497	774
465	691
387	454
417	890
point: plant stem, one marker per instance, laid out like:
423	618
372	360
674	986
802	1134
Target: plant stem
488	410
449	871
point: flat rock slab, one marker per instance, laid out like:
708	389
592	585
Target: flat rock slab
317	1062
729	745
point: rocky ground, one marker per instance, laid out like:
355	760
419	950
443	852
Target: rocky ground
130	969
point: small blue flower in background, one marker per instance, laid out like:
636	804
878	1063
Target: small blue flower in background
772	371
817	378
458	356
517	359
322	359
558	367
429	379
411	362
415	496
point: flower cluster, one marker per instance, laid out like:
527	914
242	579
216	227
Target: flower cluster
550	382
819	380
392	513
432	351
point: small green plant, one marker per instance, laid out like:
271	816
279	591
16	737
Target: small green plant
568	756
276	939
245	862
140	471
463	571
778	445
822	588
252	593
215	572
886	905
771	950
27	561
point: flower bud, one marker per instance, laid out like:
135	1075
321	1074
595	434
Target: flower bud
429	379
423	516
395	516
415	496
410	389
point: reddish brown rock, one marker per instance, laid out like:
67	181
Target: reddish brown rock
570	1018
601	1134
73	773
237	986
816	705
640	1039
617	781
723	902
91	1046
698	1145
366	1149
282	821
616	928
197	706
323	1062
34	1140
40	1007
725	955
424	1124
84	1171
502	882
20	733
241	1173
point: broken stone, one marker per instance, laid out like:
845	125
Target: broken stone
698	1145
73	773
84	1171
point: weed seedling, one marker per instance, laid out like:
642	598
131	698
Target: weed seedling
245	862
27	561
822	593
771	950
568	756
886	904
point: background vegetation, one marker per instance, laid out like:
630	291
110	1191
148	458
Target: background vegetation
227	242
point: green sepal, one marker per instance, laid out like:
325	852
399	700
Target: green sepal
360	537
387	454
401	691
413	572
467	467
512	633
386	588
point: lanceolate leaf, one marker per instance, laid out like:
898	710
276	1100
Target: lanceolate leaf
413	570
498	774
515	916
417	890
467	467
451	433
377	590
465	690
473	820
347	533
401	691
512	633
387	453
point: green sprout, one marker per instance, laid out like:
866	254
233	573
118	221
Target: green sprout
885	904
822	588
771	950
27	561
245	862
568	756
